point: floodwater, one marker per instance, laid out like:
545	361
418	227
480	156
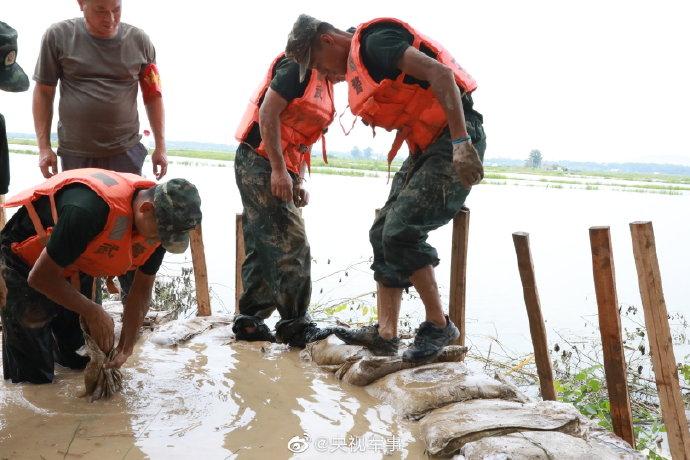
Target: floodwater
209	398
342	209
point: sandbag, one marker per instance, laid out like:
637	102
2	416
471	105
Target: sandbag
182	330
414	392
363	371
332	351
99	382
152	319
446	430
542	445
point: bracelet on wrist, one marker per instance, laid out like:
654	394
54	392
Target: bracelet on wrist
460	140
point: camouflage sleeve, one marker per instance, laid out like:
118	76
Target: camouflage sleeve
48	70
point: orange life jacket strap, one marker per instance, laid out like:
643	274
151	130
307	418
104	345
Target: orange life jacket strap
323	148
38	226
53	208
74	281
400	137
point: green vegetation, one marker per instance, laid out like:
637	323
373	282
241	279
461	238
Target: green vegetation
206	155
363	164
494	175
22	141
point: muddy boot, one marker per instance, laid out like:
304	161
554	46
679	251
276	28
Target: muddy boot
310	333
252	331
429	341
368	336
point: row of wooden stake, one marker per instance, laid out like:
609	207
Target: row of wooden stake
656	320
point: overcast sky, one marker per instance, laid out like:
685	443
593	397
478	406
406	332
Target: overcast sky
579	80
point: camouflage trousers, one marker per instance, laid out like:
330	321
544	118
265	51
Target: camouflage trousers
425	195
37	332
276	273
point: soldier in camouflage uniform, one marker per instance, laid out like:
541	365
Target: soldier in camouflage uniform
401	80
42	312
269	170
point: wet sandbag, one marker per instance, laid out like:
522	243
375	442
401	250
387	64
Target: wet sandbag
331	352
414	392
363	371
543	445
446	430
99	382
182	330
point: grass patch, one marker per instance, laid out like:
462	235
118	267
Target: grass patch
200	154
340	172
22	141
23	152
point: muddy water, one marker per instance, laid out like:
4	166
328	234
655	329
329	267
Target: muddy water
241	401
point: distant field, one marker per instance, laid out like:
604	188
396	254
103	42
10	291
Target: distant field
494	175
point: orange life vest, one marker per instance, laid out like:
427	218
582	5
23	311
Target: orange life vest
114	251
303	121
410	109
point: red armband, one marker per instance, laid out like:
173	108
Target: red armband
150	82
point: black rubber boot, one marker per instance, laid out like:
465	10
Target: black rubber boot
429	341
368	336
261	332
309	333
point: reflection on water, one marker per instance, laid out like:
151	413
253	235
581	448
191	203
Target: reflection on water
229	401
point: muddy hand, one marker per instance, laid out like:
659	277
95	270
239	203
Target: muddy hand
467	165
281	184
117	359
300	196
101	328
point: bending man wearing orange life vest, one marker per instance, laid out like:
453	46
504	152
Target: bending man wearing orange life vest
398	79
284	118
77	225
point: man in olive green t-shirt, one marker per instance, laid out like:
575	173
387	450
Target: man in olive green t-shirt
99	63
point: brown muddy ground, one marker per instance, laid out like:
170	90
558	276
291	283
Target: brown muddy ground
207	399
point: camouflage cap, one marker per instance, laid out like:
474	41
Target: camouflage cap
299	42
12	77
177	208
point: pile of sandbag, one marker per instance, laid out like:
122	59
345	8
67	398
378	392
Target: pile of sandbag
414	392
469	414
357	366
181	330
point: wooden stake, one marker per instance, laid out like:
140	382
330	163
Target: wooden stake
203	301
660	344
611	336
239	260
458	272
536	321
